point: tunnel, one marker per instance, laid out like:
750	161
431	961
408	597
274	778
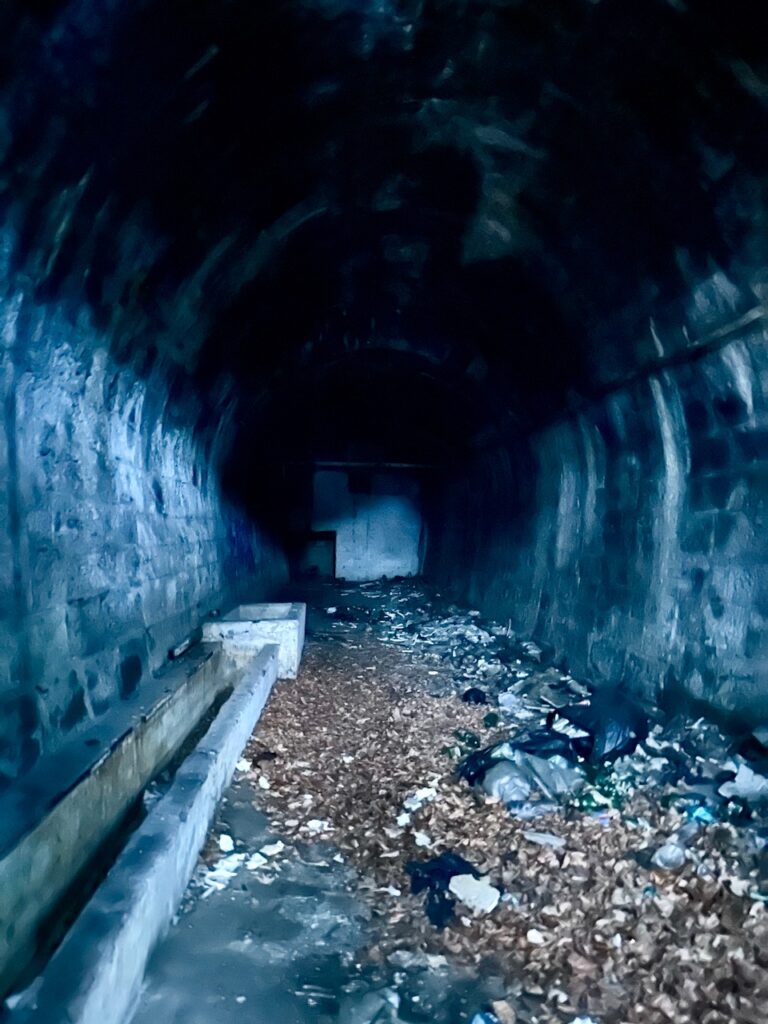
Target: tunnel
462	293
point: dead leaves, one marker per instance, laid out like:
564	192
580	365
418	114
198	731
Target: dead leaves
582	927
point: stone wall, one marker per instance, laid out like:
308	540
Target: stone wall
114	538
632	534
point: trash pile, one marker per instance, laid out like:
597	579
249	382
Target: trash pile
401	614
597	865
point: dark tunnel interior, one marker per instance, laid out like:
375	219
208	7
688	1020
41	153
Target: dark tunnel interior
498	267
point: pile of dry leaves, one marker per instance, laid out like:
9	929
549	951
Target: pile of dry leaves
581	924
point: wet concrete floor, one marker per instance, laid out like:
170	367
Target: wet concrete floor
274	944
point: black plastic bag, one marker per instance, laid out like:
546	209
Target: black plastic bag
434	876
614	722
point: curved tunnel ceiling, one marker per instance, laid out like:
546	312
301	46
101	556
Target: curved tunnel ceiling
505	193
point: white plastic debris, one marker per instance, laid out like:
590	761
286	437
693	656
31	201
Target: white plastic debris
256	861
407	959
421	796
535	937
669	857
403	819
243	765
510	702
331	611
226	843
748	785
505	782
422	839
317	825
477	894
545	839
221	874
566	728
273	849
263	782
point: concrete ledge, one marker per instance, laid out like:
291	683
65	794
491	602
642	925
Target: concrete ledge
96	975
57	819
244	629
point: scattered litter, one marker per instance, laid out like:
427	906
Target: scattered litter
226	843
614	724
474	695
256	861
243	765
221	874
532	650
507	783
510	702
703	815
273	849
545	839
535	937
263	782
153	793
434	877
513	778
409	960
669	857
317	825
421	796
475	893
748	785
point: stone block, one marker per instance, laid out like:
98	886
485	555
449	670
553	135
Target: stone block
250	626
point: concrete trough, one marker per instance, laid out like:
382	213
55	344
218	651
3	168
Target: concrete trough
95	976
248	626
56	821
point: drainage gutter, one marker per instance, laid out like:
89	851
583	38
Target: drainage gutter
95	977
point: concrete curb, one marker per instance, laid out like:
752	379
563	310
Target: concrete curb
54	822
95	977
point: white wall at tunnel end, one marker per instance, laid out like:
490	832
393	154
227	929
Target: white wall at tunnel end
378	530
